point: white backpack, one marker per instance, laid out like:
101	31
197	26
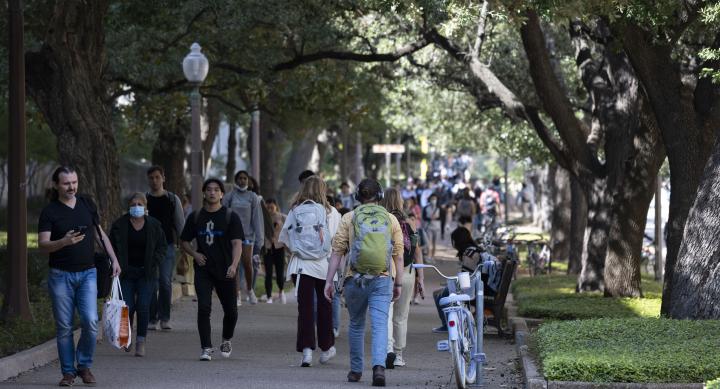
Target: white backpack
309	235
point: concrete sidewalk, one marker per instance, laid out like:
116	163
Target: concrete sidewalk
264	355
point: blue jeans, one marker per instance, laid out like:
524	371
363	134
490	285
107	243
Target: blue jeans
137	290
70	290
161	296
336	311
362	294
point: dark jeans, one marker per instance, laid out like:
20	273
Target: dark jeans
311	289
274	257
443	220
161	296
225	290
137	290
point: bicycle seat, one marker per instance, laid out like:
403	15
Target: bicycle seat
454	298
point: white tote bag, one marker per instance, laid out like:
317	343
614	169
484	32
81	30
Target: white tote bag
116	318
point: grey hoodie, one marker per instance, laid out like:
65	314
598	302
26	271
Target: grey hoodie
247	205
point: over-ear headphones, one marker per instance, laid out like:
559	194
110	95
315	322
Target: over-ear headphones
379	194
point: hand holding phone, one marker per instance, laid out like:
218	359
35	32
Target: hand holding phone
80	230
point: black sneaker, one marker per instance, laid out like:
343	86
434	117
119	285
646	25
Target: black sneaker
390	360
354	376
226	348
378	376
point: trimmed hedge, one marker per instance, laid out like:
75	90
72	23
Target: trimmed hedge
554	297
714	384
629	350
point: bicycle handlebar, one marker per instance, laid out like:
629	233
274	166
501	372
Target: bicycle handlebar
423	266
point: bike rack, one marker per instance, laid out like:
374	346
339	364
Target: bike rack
478	354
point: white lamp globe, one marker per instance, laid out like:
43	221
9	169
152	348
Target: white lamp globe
195	65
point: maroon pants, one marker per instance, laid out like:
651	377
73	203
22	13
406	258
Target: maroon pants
310	290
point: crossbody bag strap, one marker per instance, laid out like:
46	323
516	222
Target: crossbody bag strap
97	227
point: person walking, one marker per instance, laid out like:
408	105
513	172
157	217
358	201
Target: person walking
141	248
246	204
373	240
307	232
166	207
218	233
67	232
275	253
431	222
399	310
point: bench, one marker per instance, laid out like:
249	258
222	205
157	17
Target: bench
494	311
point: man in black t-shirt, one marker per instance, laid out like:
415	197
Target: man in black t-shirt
218	234
66	230
166	207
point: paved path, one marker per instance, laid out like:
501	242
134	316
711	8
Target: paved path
264	357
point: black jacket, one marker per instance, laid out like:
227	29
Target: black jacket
155	249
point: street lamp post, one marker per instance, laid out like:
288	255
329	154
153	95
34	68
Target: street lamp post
195	67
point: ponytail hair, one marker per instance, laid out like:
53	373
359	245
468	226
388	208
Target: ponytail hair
54	195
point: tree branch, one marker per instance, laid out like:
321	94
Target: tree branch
188	28
351	56
480	36
227	102
555	102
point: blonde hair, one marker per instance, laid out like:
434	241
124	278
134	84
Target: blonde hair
138	196
392	201
314	189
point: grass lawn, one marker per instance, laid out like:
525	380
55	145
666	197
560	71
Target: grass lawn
554	297
32	239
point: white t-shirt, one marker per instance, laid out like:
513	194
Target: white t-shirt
315	268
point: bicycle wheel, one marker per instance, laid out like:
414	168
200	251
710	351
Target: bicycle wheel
461	349
458	363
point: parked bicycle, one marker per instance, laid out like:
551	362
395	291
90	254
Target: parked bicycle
465	331
539	257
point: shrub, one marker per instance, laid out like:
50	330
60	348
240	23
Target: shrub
629	350
714	384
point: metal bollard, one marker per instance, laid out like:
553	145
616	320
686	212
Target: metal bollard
478	354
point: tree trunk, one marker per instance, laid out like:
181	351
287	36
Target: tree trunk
65	79
214	119
356	170
687	119
270	154
169	152
578	223
299	158
231	151
544	195
591	278
696	279
561	214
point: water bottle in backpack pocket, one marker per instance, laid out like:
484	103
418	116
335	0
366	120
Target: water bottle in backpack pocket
309	235
371	250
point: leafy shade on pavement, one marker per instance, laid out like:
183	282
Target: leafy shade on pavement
629	350
554	297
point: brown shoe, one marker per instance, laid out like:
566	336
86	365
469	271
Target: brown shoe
354	376
67	380
87	377
140	349
378	375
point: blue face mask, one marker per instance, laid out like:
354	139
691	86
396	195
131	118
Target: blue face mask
137	211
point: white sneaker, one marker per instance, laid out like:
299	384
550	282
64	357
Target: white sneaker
326	355
283	300
307	357
205	356
239	300
399	361
269	301
251	297
226	348
263	298
336	332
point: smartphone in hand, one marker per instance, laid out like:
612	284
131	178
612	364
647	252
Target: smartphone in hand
80	229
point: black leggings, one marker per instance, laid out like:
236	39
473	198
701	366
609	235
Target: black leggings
274	257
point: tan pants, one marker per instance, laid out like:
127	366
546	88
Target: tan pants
398	314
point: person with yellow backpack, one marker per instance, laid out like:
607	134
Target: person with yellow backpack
373	241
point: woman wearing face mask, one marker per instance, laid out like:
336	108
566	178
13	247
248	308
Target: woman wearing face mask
139	242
